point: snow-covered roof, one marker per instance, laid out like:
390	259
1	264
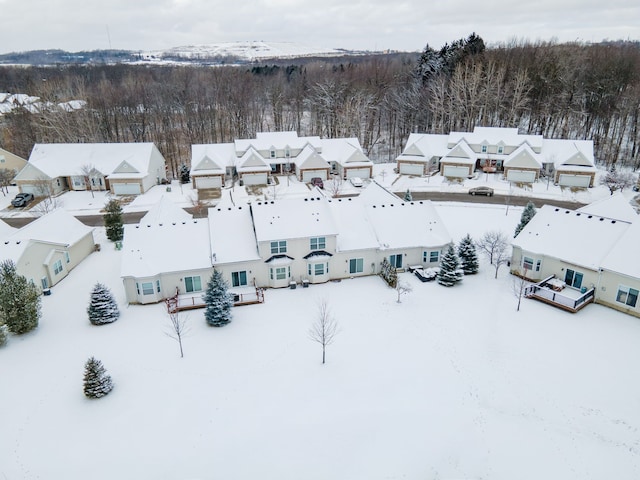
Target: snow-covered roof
523	157
265	141
6	229
231	233
57	227
165	211
292	218
310	158
356	231
565	153
149	250
68	159
345	151
422	147
615	206
624	258
495	136
572	236
212	156
460	153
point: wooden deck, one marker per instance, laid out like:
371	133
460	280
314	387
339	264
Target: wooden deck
244	296
567	298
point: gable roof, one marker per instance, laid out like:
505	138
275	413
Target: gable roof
238	246
614	206
310	158
523	157
68	159
572	236
460	153
165	211
624	258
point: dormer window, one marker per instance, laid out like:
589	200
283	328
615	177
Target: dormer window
272	154
500	149
484	149
287	153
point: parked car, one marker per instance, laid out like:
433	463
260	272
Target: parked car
22	199
356	181
317	182
488	191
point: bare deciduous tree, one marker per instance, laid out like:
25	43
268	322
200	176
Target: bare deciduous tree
179	329
324	329
520	283
402	288
6	175
334	185
491	243
44	191
87	171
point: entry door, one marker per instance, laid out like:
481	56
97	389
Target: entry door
573	278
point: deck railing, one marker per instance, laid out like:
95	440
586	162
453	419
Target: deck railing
543	291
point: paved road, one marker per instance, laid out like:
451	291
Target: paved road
134	217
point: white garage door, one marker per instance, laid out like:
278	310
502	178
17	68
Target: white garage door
522	176
30	189
126	188
307	175
254	178
358	172
569	180
209	182
456	171
411	169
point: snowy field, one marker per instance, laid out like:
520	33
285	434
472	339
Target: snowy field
449	384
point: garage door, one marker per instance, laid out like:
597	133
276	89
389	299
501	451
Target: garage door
411	169
358	172
521	176
569	180
254	178
307	175
456	171
209	182
126	188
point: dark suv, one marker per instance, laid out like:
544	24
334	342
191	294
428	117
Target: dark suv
22	199
317	182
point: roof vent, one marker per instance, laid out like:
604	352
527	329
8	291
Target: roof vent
306	199
578	214
557	209
613	221
421	203
349	199
272	202
590	216
229	208
567	211
601	219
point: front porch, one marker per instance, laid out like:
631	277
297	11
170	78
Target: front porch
553	291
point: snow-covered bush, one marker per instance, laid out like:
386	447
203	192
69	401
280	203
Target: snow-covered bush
102	306
97	383
388	272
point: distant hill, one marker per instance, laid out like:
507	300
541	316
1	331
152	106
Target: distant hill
212	54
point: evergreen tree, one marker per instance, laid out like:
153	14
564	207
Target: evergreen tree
468	255
527	214
407	196
388	272
450	272
219	301
19	300
4	333
102	306
97	383
184	173
113	221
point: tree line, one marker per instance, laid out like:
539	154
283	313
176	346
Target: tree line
568	90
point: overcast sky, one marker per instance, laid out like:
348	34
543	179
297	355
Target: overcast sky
406	25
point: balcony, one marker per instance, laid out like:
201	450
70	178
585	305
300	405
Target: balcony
553	291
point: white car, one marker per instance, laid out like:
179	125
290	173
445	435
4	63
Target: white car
356	181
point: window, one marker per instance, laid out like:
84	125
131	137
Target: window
158	286
287	153
67	257
318	269
573	278
272	154
500	149
147	288
484	149
318	243
192	284
281	273
44	281
627	295
279	247
396	260
538	263
238	279
57	267
431	257
527	263
356	265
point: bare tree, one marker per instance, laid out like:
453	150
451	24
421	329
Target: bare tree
334	185
491	243
520	282
87	171
48	202
324	329
501	256
615	180
6	175
179	329
403	288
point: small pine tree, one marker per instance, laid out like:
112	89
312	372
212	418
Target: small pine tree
184	173
407	196
113	220
219	301
388	272
19	300
468	255
4	334
102	306
527	214
97	383
450	272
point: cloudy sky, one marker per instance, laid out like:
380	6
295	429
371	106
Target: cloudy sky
406	25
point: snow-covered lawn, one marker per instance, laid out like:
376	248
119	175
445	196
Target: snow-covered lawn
450	383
